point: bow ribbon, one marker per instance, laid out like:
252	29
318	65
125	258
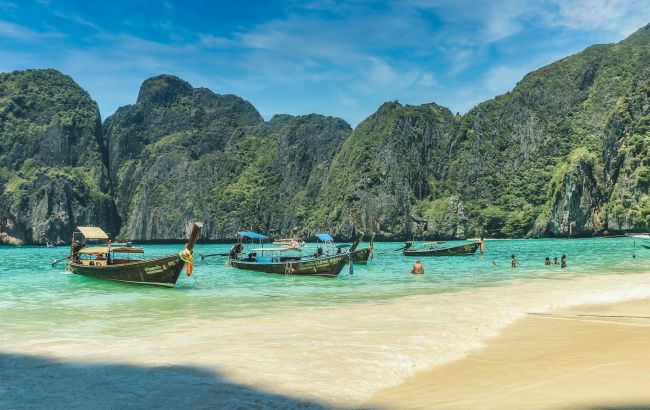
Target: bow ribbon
187	256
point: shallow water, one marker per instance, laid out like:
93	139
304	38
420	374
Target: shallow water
334	340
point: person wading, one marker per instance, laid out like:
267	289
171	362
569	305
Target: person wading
514	262
418	268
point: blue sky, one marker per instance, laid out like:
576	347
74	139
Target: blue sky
298	57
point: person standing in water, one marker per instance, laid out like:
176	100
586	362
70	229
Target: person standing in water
555	262
513	261
547	262
563	262
418	268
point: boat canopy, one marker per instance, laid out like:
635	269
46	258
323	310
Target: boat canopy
127	250
254	235
277	249
324	237
94	250
92	233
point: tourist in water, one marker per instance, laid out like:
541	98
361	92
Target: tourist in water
418	268
563	262
513	261
555	262
547	262
494	262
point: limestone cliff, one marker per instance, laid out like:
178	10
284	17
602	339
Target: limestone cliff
52	173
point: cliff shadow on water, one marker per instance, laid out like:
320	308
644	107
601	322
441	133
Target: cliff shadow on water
38	382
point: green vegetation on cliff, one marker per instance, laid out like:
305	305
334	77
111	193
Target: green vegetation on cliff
563	153
182	153
51	170
566	152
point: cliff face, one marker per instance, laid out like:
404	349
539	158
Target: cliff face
182	153
51	170
562	154
390	163
566	152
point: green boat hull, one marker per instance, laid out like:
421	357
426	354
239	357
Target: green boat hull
460	250
328	266
162	271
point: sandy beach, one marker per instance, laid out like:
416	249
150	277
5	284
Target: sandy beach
591	356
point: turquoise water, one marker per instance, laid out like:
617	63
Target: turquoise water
269	322
30	287
29	283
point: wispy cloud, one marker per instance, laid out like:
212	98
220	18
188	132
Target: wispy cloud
619	16
19	32
338	58
75	18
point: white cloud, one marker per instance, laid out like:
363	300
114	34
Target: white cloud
428	80
501	78
22	33
75	18
619	16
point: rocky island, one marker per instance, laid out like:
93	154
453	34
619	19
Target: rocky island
565	153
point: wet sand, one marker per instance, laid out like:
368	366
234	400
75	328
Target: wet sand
586	357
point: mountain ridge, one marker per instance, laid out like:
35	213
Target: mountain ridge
564	153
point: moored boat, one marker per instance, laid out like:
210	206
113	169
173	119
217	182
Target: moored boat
278	261
114	262
362	256
329	266
459	250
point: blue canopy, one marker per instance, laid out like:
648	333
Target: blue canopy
253	235
324	237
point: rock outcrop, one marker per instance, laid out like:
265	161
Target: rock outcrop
52	173
182	153
566	152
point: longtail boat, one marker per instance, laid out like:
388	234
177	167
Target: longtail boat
362	256
459	250
279	261
113	262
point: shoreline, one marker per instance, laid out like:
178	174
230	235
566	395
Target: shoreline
313	355
229	241
586	356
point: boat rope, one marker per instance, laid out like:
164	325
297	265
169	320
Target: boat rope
187	256
55	261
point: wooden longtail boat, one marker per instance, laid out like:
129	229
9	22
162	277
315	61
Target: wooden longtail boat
275	260
362	256
460	250
114	263
329	266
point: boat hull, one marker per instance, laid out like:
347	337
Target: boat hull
461	250
329	266
361	256
163	271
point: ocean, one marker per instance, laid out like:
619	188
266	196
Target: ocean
284	341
